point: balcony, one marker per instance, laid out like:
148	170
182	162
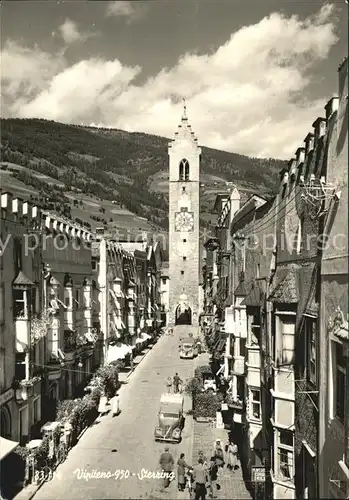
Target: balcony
239	365
234	403
25	389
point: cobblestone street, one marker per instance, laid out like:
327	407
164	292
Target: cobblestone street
126	442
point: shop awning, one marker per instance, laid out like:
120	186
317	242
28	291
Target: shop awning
6	447
117	352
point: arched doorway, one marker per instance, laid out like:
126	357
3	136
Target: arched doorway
183	315
5	416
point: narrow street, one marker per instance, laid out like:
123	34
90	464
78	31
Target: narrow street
131	434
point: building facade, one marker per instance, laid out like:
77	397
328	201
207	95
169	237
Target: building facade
333	375
67	300
184	226
288	332
22	348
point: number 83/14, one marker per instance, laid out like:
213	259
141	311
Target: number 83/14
45	474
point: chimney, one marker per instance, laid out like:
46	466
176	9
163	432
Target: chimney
26	209
319	128
309	143
331	107
17	206
300	156
34	211
6	201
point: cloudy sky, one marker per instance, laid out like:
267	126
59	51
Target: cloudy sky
255	73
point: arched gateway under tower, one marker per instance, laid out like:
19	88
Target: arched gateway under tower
184	215
183	316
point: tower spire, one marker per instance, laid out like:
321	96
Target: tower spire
184	116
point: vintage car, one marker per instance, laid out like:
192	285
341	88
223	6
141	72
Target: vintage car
170	418
188	348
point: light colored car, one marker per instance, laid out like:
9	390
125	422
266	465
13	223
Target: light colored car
170	418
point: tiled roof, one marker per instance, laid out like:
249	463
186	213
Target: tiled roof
286	292
254	298
22	280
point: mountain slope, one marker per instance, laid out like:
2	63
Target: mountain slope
65	163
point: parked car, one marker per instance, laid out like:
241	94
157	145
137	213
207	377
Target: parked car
170	418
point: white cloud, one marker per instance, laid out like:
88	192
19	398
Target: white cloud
247	96
133	11
70	32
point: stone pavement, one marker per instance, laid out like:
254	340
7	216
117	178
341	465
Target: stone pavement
123	449
232	483
205	435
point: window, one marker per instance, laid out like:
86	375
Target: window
300	235
184	170
184	258
77	297
340	368
163	281
20	303
255	408
285	454
242	347
94	265
36	410
182	272
67	301
17	254
287	341
310	339
184	241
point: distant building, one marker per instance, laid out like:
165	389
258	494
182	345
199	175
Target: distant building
184	226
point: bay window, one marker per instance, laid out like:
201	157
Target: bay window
255	404
285	454
310	339
20	303
285	339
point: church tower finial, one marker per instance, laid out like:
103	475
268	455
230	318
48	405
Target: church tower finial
184	116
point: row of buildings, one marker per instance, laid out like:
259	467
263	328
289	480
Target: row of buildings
70	301
276	302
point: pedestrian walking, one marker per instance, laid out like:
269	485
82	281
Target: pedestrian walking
169	385
181	468
166	463
232	456
200	477
203	458
212	477
218	454
176	382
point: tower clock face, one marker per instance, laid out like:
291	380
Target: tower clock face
184	221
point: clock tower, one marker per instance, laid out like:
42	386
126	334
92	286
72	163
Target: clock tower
184	231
